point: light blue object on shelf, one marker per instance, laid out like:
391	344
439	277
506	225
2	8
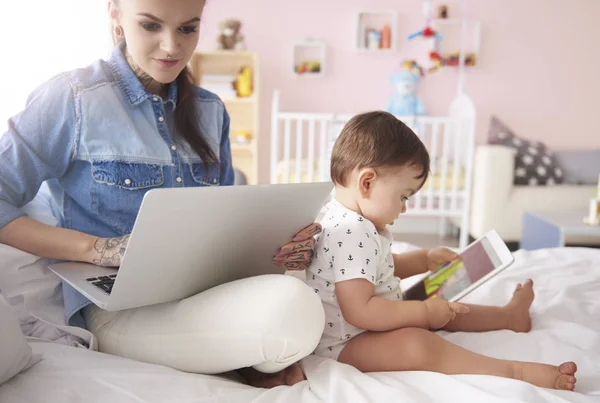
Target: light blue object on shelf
405	101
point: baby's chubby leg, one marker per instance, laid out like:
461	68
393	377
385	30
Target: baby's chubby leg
415	349
513	316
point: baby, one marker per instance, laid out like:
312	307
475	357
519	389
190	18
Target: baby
377	164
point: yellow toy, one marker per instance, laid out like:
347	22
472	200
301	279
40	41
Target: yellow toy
242	137
243	84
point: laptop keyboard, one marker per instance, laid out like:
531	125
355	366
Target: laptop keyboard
105	283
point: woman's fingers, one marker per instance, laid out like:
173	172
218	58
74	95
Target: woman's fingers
295	247
308	232
299	257
293	265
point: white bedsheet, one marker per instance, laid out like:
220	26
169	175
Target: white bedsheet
566	326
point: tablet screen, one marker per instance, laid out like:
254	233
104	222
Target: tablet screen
454	277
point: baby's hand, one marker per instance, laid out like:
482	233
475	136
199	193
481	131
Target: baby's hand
439	256
440	312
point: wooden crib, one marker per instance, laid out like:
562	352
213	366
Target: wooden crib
301	145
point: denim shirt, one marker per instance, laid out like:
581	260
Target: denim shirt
100	140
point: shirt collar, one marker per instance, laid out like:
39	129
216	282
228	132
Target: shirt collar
130	84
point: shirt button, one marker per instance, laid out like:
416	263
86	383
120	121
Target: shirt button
161	119
128	181
178	179
155	99
173	148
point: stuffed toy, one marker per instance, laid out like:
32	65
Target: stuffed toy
405	101
243	83
230	37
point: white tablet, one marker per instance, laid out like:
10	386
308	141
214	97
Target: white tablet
477	263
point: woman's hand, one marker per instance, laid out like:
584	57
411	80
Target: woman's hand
436	257
298	254
109	252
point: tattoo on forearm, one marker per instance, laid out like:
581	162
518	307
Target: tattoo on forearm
110	251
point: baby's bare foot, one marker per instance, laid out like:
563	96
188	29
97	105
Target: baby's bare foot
547	376
518	307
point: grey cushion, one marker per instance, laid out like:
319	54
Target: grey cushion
535	164
580	167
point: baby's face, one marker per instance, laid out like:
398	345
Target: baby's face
389	194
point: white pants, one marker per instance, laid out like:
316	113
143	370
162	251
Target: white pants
267	322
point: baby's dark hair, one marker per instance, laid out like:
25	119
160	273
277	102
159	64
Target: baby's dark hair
373	140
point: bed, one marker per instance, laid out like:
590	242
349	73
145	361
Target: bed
566	326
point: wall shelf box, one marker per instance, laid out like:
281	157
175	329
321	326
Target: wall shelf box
376	31
449	47
309	58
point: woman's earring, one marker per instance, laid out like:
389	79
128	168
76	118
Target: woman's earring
119	32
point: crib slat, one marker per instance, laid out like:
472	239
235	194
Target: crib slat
311	150
324	163
457	163
435	130
299	138
286	151
444	169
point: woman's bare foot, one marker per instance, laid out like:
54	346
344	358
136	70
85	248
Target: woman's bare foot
518	307
289	376
547	376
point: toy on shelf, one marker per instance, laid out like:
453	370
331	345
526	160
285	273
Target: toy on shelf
243	83
309	66
405	101
443	11
376	30
428	31
242	137
230	37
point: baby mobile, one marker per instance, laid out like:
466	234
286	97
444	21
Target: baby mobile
404	101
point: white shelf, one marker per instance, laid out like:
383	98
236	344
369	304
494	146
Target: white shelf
376	20
450	30
309	51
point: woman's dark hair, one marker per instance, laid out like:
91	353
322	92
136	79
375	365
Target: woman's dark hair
187	121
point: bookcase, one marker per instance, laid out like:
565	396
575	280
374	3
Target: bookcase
216	71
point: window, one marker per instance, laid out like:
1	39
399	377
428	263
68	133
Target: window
42	38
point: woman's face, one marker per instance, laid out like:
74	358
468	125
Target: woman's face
161	35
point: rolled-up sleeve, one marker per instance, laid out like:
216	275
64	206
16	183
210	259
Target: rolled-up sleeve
38	145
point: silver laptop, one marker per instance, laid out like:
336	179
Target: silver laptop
188	240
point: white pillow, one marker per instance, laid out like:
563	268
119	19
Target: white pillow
15	353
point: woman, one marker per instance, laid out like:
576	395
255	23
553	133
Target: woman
101	137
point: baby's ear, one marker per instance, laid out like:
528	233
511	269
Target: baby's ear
366	179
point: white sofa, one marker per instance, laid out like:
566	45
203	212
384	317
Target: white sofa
497	204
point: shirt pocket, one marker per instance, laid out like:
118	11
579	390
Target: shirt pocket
204	176
127	175
118	189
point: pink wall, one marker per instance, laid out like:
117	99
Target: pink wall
537	66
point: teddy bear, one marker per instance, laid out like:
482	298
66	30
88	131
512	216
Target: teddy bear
405	101
230	37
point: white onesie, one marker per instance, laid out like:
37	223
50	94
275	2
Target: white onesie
348	248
